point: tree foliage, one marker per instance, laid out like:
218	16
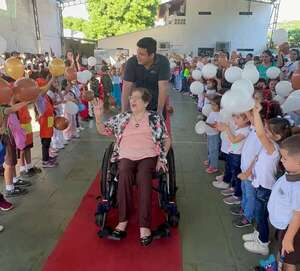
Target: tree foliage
293	28
115	17
73	23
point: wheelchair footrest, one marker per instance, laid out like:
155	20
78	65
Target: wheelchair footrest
105	232
162	231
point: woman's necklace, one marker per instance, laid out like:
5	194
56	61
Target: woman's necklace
137	122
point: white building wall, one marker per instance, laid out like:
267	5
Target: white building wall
17	26
224	25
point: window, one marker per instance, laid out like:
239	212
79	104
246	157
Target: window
246	13
204	12
3	4
206	52
245	50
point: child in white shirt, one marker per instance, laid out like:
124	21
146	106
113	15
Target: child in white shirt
284	203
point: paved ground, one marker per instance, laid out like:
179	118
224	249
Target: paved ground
209	241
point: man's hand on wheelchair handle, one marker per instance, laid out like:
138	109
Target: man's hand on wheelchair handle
160	166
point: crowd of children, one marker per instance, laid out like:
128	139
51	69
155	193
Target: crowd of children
261	150
54	95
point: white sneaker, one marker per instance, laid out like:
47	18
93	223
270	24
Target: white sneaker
81	128
220	185
220	178
1	228
78	130
77	136
250	236
257	247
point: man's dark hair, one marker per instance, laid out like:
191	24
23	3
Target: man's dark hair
147	43
291	145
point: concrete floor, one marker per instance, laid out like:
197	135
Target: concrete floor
209	241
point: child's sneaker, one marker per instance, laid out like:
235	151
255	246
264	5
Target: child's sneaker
23	183
220	178
17	191
242	223
257	247
1	228
220	185
228	192
5	205
237	211
250	237
211	170
49	164
81	128
232	200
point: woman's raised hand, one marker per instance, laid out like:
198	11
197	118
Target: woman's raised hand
98	107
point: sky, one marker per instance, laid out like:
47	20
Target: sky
289	10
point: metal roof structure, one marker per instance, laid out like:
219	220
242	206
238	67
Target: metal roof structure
69	3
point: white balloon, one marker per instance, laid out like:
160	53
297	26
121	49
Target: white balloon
206	109
273	72
172	65
71	108
237	101
197	75
280	36
250	64
200	127
283	88
189	59
292	103
279	99
87	75
3	45
92	61
197	88
84	61
243	84
250	74
200	65
81	78
209	71
233	74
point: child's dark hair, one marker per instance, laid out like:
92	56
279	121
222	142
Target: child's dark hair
216	99
270	110
214	82
291	145
280	126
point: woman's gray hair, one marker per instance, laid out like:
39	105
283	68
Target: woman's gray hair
145	94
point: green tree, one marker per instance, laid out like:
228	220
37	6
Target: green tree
73	23
115	17
293	28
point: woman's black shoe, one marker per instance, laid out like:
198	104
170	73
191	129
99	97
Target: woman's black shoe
117	235
146	241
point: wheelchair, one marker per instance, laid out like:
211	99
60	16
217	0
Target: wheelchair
166	189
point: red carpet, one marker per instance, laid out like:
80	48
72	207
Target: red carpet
80	249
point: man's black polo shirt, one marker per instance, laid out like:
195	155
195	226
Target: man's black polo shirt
148	78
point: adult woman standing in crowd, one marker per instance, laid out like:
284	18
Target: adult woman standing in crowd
266	63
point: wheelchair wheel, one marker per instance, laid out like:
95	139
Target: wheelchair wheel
106	176
172	174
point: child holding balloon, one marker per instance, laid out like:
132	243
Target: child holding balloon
213	136
264	169
70	99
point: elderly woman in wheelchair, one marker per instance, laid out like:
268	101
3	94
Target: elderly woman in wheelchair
141	147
